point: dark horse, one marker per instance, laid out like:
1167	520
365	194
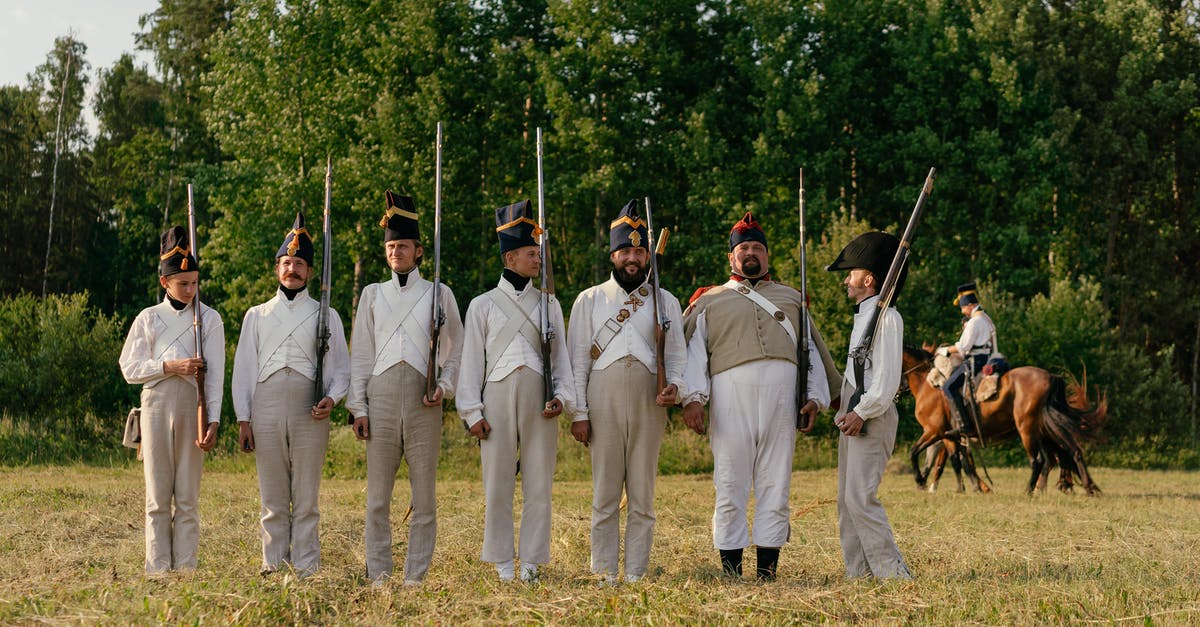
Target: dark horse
1031	403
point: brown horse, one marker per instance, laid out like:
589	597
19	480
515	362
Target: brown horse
1031	404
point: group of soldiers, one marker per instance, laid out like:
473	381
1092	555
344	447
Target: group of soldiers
733	349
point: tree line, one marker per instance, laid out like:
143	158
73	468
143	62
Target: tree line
1064	132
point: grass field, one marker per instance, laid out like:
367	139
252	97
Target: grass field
71	548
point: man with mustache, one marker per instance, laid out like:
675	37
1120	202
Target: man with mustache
868	430
500	397
621	414
274	380
742	339
387	392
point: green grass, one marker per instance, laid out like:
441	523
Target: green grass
72	545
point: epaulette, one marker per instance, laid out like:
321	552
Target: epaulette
698	293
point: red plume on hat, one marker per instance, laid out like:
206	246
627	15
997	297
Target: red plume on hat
746	230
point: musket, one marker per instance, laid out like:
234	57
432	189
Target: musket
802	341
326	272
437	316
661	323
887	293
197	324
547	290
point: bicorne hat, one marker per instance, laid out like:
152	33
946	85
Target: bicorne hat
966	295
628	230
175	252
515	226
297	242
400	219
873	251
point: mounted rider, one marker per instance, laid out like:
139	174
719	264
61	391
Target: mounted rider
975	345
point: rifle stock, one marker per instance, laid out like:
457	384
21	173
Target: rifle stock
803	341
326	273
437	317
887	292
657	247
197	325
547	331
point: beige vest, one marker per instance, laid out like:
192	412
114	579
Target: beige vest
739	331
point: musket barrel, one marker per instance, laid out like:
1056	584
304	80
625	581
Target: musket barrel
436	316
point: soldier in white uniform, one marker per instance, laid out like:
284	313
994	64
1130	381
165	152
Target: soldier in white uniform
742	339
279	417
868	428
621	413
501	397
388	366
160	354
976	345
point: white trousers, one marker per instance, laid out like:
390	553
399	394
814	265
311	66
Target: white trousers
867	543
402	428
627	432
513	408
289	452
752	427
172	464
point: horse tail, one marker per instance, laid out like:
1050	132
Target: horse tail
1070	399
1066	426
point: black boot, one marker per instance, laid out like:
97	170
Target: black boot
731	562
959	420
768	563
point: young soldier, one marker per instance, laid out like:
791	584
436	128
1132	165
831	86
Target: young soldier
621	412
389	356
160	354
869	429
741	359
500	397
274	379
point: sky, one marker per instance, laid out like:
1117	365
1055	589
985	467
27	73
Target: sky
28	29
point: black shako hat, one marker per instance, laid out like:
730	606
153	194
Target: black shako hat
515	226
629	230
400	219
175	252
747	230
873	251
297	242
966	295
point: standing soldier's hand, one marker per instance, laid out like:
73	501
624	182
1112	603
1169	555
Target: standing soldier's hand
437	397
693	416
362	428
809	413
553	408
321	410
582	430
481	429
245	437
667	396
209	440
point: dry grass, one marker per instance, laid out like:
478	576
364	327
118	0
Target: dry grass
71	544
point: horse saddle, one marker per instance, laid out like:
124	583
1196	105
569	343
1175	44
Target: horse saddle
988	381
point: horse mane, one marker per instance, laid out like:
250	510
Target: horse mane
918	353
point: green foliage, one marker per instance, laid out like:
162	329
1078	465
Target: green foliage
59	366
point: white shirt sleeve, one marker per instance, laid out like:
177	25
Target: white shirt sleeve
450	344
138	365
564	379
214	359
676	349
469	391
818	381
695	374
579	345
886	358
336	367
245	367
362	353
